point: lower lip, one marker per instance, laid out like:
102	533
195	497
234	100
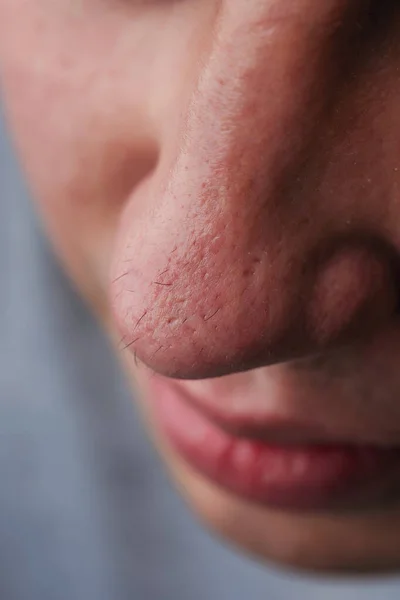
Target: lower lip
292	477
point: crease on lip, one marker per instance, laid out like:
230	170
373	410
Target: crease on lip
275	429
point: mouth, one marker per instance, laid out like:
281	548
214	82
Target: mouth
270	460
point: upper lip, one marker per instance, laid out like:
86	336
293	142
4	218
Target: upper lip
273	430
284	430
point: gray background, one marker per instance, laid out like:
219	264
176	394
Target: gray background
86	511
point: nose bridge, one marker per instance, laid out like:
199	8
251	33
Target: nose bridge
267	58
267	81
262	89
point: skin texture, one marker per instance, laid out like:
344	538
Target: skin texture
221	181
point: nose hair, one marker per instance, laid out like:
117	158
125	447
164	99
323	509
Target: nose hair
239	263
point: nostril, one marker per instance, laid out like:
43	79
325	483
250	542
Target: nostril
184	325
356	291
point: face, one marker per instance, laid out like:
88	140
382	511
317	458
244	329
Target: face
221	180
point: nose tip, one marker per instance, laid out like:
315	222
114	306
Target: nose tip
200	327
224	265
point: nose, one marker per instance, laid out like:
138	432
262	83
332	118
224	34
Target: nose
254	249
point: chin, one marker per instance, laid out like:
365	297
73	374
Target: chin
318	545
329	542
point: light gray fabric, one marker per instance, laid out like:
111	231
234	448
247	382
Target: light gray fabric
86	511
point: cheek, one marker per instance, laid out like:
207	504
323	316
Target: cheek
80	165
87	115
90	113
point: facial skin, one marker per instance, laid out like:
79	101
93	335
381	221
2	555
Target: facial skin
249	151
